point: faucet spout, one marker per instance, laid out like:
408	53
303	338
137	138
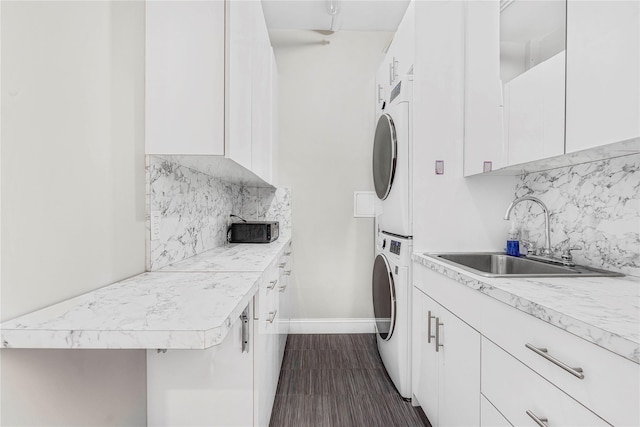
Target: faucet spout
547	249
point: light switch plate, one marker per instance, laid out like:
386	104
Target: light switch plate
155	225
439	167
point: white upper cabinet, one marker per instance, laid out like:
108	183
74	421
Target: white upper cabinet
603	92
566	80
532	72
185	50
209	82
398	61
483	150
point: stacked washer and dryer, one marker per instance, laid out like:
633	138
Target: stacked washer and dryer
391	280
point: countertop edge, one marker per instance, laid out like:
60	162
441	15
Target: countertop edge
41	338
613	342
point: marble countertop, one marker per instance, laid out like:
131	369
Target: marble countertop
234	257
189	305
602	310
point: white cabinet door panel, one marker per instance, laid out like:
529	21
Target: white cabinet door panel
603	65
490	416
185	48
515	389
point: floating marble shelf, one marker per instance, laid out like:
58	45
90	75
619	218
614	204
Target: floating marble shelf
193	307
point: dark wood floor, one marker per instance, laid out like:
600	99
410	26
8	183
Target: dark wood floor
338	381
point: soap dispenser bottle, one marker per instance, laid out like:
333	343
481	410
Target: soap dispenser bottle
513	244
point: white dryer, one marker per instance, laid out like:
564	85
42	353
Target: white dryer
391	162
391	285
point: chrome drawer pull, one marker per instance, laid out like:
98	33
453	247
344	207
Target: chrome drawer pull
287	272
287	253
577	372
429	336
282	265
282	288
272	316
244	317
542	422
438	324
272	284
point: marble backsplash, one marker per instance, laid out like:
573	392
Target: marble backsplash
594	206
194	210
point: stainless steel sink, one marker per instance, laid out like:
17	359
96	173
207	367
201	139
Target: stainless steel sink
501	265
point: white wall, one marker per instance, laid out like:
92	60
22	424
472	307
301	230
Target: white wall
451	213
326	123
73	198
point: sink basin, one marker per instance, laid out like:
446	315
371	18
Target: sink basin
501	265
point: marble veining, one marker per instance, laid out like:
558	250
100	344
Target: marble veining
152	310
194	208
234	257
605	311
594	206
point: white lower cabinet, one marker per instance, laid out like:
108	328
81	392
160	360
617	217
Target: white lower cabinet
568	380
224	385
446	364
271	335
524	397
490	416
212	387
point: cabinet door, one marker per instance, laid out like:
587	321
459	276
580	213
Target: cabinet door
424	357
402	51
459	372
534	112
520	393
212	387
382	87
261	99
483	92
490	416
241	26
184	77
603	88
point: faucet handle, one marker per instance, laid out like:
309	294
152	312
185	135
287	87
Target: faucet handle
567	258
530	247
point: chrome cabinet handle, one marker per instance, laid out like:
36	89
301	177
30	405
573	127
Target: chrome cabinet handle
390	73
438	324
244	317
394	76
282	288
287	253
272	316
429	336
379	93
287	273
577	372
282	265
272	284
542	422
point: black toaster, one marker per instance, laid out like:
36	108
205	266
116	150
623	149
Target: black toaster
254	232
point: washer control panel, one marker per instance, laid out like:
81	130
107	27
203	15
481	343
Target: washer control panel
394	248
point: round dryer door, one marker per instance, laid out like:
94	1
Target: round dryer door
384	297
385	151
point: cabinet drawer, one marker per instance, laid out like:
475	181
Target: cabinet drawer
519	393
490	416
611	383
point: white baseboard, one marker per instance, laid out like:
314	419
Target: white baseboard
332	326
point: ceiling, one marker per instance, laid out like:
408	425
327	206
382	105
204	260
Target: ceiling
354	15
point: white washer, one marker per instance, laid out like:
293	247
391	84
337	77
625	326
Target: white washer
391	162
391	285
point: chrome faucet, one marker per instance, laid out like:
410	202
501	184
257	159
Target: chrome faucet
546	252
